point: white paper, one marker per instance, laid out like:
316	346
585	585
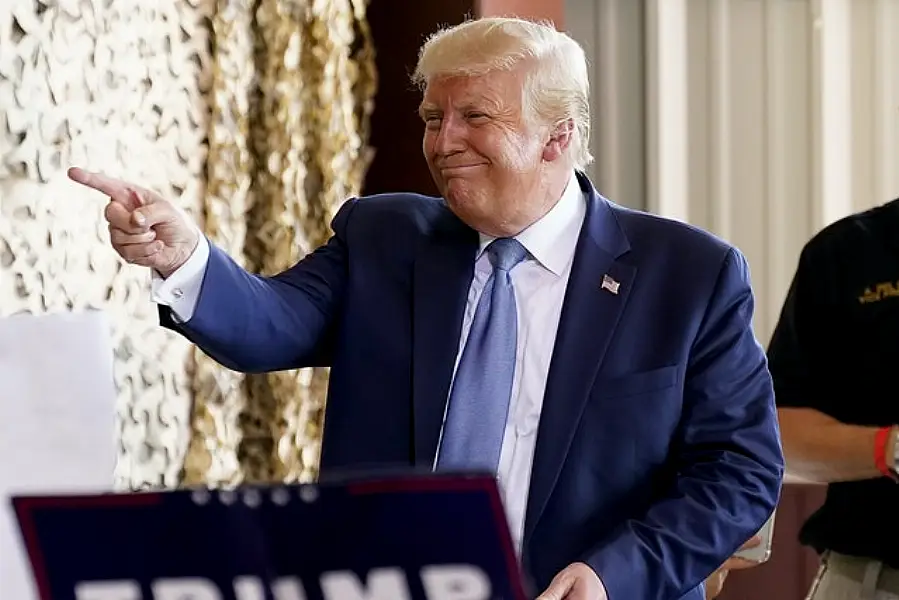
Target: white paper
57	420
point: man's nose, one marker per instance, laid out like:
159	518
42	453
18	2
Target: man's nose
451	136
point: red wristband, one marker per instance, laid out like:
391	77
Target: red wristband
880	453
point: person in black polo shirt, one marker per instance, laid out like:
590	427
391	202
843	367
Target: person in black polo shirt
834	358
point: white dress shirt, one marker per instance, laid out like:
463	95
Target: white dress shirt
181	290
540	282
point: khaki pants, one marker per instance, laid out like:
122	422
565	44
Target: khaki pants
849	578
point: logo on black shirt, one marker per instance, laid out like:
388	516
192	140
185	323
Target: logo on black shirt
879	291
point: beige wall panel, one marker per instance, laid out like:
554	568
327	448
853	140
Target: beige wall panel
765	120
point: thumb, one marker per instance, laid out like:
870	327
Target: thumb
152	214
752	542
558	588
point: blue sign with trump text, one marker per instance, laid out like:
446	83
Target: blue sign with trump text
389	538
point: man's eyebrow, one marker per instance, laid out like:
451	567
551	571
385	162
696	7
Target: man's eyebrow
482	107
424	109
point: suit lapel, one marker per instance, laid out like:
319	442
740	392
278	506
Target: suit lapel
442	277
589	316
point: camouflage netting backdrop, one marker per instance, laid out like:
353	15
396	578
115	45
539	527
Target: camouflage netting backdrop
254	116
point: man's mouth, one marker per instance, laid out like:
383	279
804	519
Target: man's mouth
457	169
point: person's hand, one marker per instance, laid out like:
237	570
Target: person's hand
144	228
715	581
575	582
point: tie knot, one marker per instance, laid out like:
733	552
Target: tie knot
505	253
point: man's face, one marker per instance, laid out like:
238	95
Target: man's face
486	155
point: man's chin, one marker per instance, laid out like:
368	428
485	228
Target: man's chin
470	210
462	189
460	201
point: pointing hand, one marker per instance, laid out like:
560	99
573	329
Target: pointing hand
145	229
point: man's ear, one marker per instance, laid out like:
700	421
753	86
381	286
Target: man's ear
559	140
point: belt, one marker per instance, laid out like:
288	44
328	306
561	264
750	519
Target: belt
859	569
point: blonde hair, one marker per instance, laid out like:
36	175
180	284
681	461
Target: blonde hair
557	87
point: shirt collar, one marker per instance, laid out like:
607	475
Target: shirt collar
552	239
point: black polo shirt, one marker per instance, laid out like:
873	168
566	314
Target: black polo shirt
836	349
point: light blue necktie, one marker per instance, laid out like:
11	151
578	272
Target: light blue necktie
482	387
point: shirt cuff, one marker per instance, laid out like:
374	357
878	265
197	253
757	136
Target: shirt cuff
180	291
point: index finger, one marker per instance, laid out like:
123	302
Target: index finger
114	188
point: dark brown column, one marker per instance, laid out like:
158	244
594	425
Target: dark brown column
399	27
550	10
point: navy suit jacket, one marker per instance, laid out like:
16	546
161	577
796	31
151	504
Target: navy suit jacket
658	449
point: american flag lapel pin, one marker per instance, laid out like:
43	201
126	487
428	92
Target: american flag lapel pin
610	284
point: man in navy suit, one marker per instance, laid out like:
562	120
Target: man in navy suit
600	360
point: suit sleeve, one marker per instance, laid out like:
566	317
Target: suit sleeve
256	324
726	454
